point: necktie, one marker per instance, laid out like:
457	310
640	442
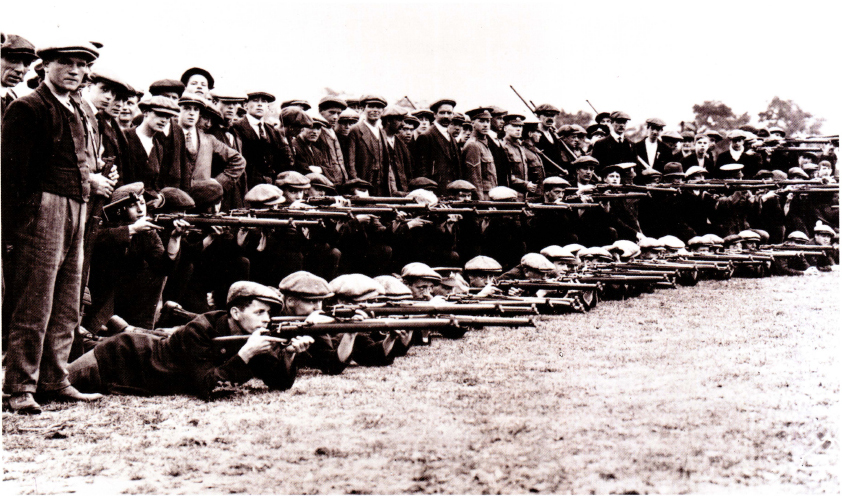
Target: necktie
188	139
262	131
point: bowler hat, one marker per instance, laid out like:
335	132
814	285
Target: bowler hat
197	70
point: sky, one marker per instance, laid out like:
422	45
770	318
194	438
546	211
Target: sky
647	58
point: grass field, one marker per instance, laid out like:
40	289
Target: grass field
725	387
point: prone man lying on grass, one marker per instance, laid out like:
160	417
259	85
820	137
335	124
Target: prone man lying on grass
186	362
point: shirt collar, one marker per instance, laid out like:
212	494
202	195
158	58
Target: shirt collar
442	130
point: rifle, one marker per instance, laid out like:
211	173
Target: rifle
552	130
327	201
231	220
433	309
523	205
543	304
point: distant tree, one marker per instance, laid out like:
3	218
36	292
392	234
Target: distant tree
787	115
717	115
581	118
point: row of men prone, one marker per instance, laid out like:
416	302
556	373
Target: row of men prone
189	247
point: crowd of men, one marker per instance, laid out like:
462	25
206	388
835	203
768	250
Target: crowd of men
91	167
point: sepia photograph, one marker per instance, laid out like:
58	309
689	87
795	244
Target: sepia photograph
403	247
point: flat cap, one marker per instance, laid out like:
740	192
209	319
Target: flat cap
422	183
656	122
395	111
647	243
596	252
266	194
797	236
597	128
423	197
251	95
418	270
353	184
228	95
497	111
250	289
671	136
502	193
627	248
574	248
671	242
201	72
713	239
292	179
690	136
18	46
713	134
321	181
585	161
479	113
166	86
112	80
160	104
778	175
305	285
694	170
127	190
176	200
84	50
530	126
737	134
650	172
777	130
536	261
482	263
572	129
412	121
332	102
763	174
460	185
546	108
553	181
190	98
555	252
698	241
822	228
458	118
619	115
295	117
302	104
349	114
424	114
393	287
367	99
514	119
442	101
318	120
205	192
602	115
356	287
673	169
731	167
732	239
764	235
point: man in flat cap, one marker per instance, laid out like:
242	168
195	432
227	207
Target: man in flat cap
266	151
651	152
396	158
17	55
304	105
571	137
347	119
738	154
549	143
365	146
330	108
615	148
48	155
145	144
306	154
426	118
699	157
480	169
435	151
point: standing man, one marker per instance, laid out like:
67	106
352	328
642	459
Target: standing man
699	157
48	153
266	152
516	162
614	149
737	154
495	142
436	152
480	169
365	146
548	142
331	108
650	151
17	55
396	158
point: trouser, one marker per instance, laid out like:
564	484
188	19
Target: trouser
84	373
48	261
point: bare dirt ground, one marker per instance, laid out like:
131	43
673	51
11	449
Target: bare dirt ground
726	387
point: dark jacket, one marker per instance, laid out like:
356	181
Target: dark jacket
306	154
365	157
750	162
265	159
334	168
608	151
663	155
437	158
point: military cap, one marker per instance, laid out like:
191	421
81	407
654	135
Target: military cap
353	184
321	181
693	170
160	104
690	136
250	289
626	248
530	126
647	243
671	242
732	239
713	134
365	100
84	50
546	108
332	102
111	80
735	134
574	248
595	252
423	197
412	121
458	118
482	263
423	183
553	181
536	261
292	179
479	113
713	239
295	117
393	287
194	71
424	114
305	285
166	86
266	194
460	185
19	47
394	111
822	228
764	235
619	115
671	136
777	130
356	287
443	101
698	241
731	167
778	175
602	115
797	172
656	122
190	98
255	94
229	96
176	200
502	193
555	252
797	236
127	190
349	114
497	111
585	161
514	119
303	104
597	128
673	169
205	192
418	270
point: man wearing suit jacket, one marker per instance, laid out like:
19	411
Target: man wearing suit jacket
699	157
145	145
549	143
396	158
17	55
365	146
615	148
331	107
650	151
436	153
737	154
266	152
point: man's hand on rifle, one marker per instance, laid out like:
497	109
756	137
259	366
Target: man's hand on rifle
299	344
102	185
143	225
341	201
258	343
178	227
